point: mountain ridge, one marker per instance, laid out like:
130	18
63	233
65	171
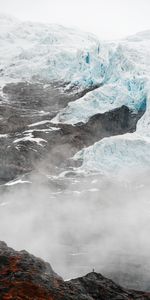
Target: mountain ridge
23	276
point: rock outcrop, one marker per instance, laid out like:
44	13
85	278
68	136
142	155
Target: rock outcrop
23	276
27	134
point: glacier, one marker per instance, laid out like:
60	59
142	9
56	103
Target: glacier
116	155
131	93
48	52
126	76
119	70
126	81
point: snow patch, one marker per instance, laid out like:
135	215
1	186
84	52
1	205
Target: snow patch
18	181
29	137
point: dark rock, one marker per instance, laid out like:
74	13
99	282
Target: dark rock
23	276
30	103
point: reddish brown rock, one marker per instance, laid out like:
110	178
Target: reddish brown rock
23	276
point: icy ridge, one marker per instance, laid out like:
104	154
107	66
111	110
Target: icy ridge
31	51
48	52
129	85
115	155
126	78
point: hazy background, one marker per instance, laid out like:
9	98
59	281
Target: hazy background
96	223
84	223
109	19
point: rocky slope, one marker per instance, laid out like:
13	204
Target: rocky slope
23	276
61	90
27	134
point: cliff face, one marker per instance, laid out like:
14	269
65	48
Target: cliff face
23	276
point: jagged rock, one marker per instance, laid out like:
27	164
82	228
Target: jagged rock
23	276
27	135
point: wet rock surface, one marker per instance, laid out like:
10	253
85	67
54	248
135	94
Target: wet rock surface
23	276
27	134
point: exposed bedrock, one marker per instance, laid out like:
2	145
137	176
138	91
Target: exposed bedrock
27	134
23	276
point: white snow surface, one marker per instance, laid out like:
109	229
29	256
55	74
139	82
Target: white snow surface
47	52
126	81
29	137
116	154
31	51
17	181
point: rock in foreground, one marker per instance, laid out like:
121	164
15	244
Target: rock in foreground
23	276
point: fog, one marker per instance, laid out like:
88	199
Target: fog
108	19
83	223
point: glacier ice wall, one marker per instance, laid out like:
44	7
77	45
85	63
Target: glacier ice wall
126	81
114	154
48	52
121	69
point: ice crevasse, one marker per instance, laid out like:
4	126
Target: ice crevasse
126	81
48	52
120	70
